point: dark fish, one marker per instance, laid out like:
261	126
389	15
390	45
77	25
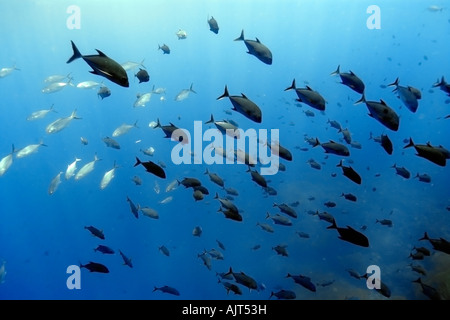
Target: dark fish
418	268
349	196
350	80
231	287
244	106
385	222
438	244
334	124
302	234
169	130
257	49
258	178
304	281
243	279
408	95
429	291
190	182
151	167
95	267
286	209
167	289
281	250
309	96
202	189
279	219
330	204
104	92
198	195
325	216
283	294
164	48
428	152
416	255
351	235
283	152
423	250
96	232
350	173
443	85
383	290
226	127
402	171
220	244
142	75
423	177
347	135
126	260
381	112
386	143
333	147
213	25
103	66
134	209
104	249
215	178
232	191
314	164
164	250
111	143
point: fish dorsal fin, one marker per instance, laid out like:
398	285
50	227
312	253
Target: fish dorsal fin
244	96
257	40
383	102
101	54
309	88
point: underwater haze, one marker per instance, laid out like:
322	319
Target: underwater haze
354	93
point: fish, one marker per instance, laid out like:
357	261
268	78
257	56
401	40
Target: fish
130	65
308	96
40	114
198	195
172	186
206	258
123	129
330	204
286	209
408	95
232	191
71	168
151	167
428	290
231	214
190	182
402	171
111	143
6	162
266	227
164	250
423	177
126	260
226	127
96	232
137	180
350	173
334	124
167	289
350	235
244	279
104	249
87	168
61	123
102	65
169	132
439	244
88	84
381	112
257	49
6	71
149	212
386	143
84	141
57	78
108	176
215	178
346	134
443	85
183	94
142	99
228	204
283	152
302	234
56	181
181	34
427	151
134	209
165	49
244	106
279	219
197	231
103	92
56	86
418	268
213	25
333	148
142	75
351	80
325	216
231	287
385	222
30	149
95	267
349	196
304	281
257	177
314	164
281	250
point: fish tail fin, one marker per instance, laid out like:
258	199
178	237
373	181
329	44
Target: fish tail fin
13	149
190	88
135	124
425	236
216	196
363	99
418	280
138	162
241	37
76	53
210	120
158	124
292	87
333	225
317	143
225	93
410	144
336	72
339	164
395	83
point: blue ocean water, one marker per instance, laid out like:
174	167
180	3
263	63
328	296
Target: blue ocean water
43	234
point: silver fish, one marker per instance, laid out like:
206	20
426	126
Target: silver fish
26	151
87	168
124	128
108	176
6	162
183	94
61	123
39	114
54	183
71	168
